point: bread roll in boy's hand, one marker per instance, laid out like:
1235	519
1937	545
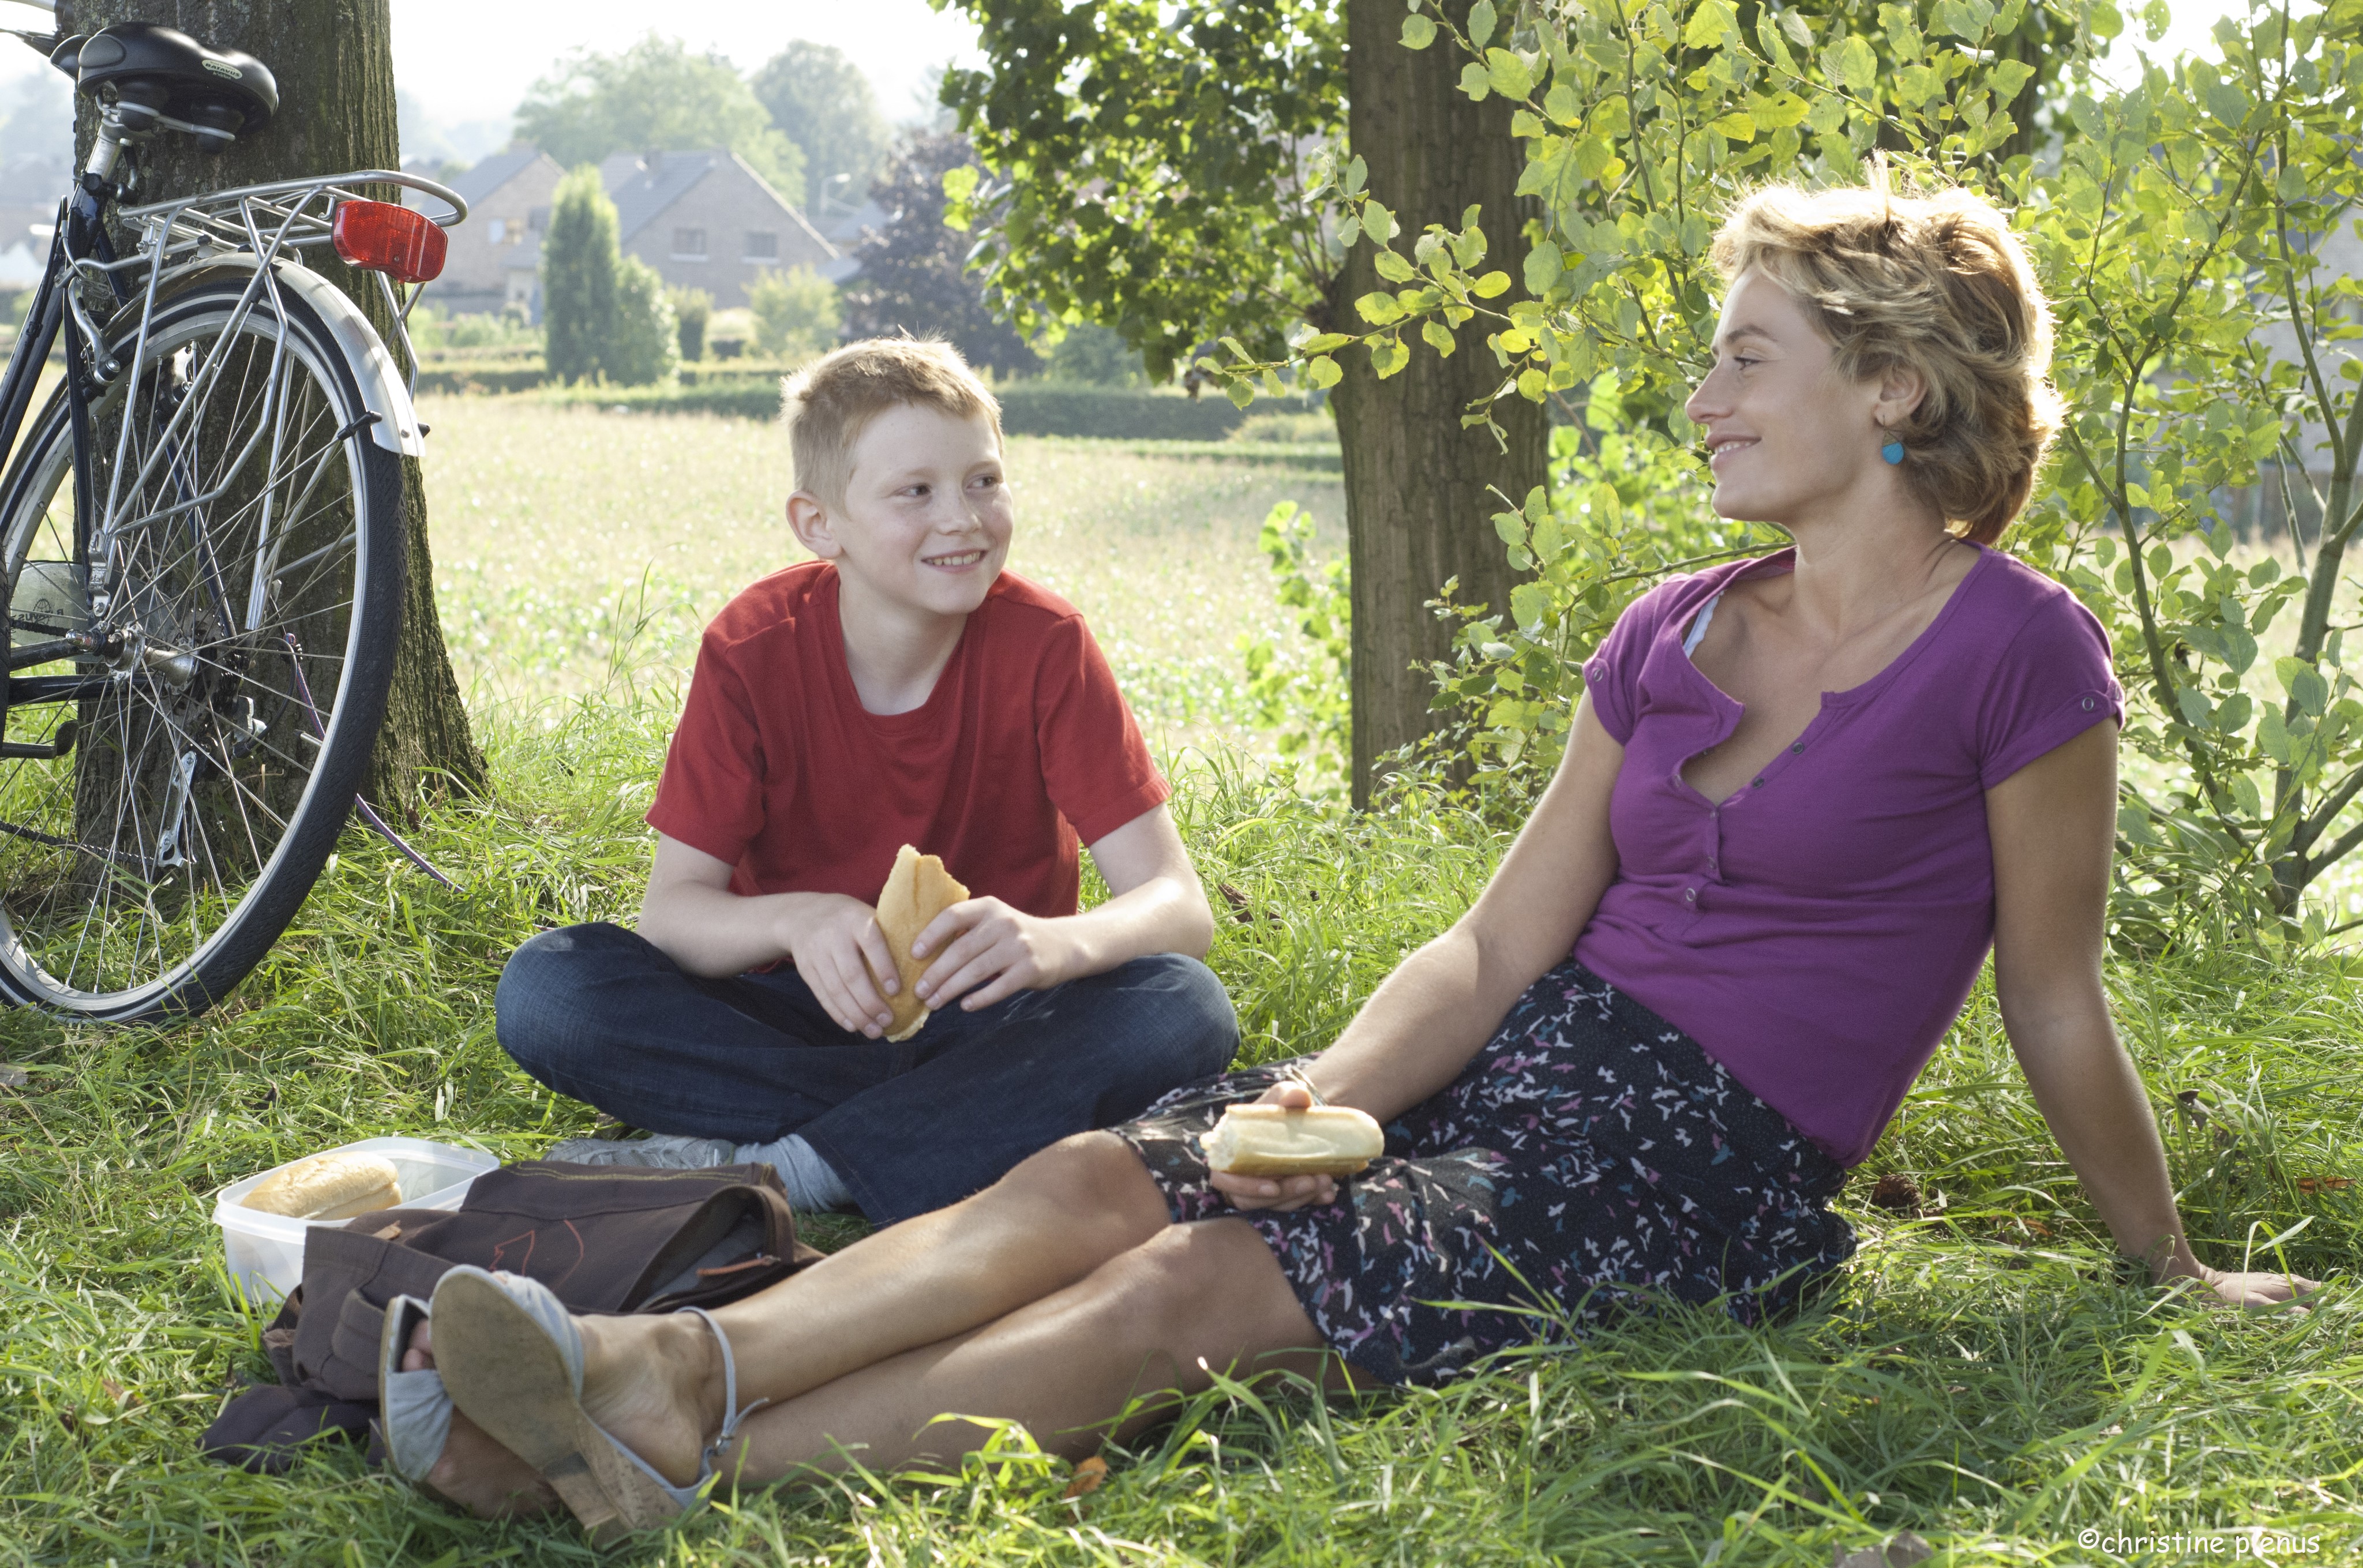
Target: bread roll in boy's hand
917	890
328	1186
1277	1141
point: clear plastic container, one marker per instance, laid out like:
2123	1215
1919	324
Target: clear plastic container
266	1251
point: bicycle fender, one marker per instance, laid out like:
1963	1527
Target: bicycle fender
384	391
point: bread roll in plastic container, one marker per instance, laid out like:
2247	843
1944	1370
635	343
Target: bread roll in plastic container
266	1251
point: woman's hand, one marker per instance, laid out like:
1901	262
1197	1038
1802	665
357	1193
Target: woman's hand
1281	1194
983	943
841	954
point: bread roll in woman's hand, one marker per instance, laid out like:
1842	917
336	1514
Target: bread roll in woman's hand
1275	1140
328	1186
917	890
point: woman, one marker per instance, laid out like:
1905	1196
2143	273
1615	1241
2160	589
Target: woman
1801	796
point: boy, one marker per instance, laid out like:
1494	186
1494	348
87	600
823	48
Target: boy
901	688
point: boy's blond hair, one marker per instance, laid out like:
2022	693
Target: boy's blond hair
830	402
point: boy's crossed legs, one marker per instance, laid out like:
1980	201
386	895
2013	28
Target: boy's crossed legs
597	1013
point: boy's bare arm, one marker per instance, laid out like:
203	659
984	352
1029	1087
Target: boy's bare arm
691	916
983	950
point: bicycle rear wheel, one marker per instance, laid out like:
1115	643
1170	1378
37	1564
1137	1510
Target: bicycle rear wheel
213	696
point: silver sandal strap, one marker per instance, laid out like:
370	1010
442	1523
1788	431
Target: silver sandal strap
731	1414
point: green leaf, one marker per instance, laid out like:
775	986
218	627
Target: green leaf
2304	685
1529	603
1713	22
1477	81
1357	175
1532	384
1322	370
960	182
1327	343
1393	268
2273	736
1857	65
1481	23
1561	104
1418	32
1794	26
1509	74
1439	338
1736	125
1491	285
1241	392
1389	355
1544	266
1379	307
1377	221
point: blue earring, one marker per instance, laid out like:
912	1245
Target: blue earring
1892	451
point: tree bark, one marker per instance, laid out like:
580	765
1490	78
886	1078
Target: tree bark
1418	486
334	62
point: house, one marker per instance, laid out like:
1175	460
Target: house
495	256
30	188
707	220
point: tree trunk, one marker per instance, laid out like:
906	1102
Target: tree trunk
334	62
1418	506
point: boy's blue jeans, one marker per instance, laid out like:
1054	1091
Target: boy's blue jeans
597	1013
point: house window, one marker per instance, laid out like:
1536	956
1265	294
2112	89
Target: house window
500	231
762	245
689	244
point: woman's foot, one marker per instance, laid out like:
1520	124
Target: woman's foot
473	1472
655	1385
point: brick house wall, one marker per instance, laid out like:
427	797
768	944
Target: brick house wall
705	220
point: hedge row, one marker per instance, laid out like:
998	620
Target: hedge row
1108	413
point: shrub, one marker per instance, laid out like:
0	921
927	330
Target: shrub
642	346
579	264
796	313
1092	355
692	309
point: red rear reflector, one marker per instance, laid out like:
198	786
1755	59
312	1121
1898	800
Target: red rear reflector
379	237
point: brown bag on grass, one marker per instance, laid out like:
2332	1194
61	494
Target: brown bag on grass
603	1238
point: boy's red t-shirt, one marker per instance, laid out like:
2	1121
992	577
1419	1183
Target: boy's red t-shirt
1024	750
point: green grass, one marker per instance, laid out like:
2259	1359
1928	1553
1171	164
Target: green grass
1980	1375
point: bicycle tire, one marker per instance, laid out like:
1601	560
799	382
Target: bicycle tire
257	610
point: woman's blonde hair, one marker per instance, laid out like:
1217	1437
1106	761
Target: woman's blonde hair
1935	283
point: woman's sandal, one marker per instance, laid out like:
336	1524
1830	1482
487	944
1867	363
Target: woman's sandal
511	1359
414	1410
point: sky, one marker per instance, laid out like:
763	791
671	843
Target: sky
472	60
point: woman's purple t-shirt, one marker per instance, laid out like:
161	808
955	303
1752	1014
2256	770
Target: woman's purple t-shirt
1818	931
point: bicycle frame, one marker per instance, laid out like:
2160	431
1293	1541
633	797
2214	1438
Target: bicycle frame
262	230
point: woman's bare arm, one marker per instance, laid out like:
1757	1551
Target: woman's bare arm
2053	825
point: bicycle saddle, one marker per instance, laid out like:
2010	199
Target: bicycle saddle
217	95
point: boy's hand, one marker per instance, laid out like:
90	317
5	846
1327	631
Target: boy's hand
985	942
1284	1194
842	955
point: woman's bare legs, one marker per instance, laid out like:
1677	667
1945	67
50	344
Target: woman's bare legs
1048	1223
1189	1298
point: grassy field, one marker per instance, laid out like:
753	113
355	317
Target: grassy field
570	542
1981	1376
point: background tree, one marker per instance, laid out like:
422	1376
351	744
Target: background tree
913	274
643	345
578	263
824	103
796	313
655	96
1151	172
691	309
334	62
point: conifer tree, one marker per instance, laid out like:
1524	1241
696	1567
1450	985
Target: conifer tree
578	263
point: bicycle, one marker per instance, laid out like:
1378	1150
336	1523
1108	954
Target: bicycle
201	541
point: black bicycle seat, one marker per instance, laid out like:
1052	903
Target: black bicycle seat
223	93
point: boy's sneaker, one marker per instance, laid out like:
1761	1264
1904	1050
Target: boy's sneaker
663	1150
